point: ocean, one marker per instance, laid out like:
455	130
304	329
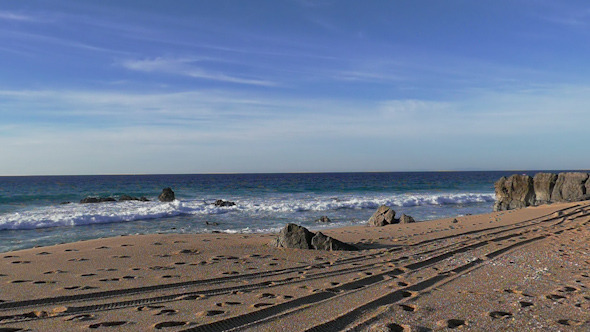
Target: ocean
45	210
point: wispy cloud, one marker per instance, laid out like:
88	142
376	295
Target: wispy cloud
189	67
11	16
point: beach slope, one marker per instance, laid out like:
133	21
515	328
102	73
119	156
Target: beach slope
517	270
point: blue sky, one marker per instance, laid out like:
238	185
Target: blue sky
111	87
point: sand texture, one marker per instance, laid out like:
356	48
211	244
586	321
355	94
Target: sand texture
518	270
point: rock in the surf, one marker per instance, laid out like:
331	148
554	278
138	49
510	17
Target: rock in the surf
543	184
323	219
405	219
167	195
294	236
324	242
570	187
87	200
123	198
383	216
222	203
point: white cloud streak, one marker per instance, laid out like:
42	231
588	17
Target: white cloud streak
187	67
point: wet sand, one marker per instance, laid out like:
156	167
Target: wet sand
521	270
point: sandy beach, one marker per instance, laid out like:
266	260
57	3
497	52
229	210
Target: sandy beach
518	270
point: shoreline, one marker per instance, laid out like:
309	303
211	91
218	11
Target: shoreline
428	275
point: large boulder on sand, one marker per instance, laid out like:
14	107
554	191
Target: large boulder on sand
323	242
405	219
570	187
294	236
383	216
167	195
544	184
514	192
299	237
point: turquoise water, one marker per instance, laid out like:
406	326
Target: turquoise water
34	210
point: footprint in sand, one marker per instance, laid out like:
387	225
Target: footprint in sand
80	318
10	329
107	324
43	253
227	303
20	281
408	307
167	312
524	304
164	325
87	274
569	322
262	304
150	307
209	313
500	314
77	259
21	262
453	323
555	297
103	247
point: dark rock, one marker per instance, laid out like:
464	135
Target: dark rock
298	237
543	184
167	195
383	216
211	223
323	242
97	200
133	198
514	192
323	219
222	203
294	236
64	203
569	187
405	219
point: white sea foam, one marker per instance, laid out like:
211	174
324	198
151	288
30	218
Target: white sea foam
252	209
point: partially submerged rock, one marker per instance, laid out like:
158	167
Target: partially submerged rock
222	203
87	200
167	195
299	237
123	198
323	219
383	216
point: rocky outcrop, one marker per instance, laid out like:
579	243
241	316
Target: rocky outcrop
299	237
167	195
518	191
569	187
514	192
543	184
383	216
